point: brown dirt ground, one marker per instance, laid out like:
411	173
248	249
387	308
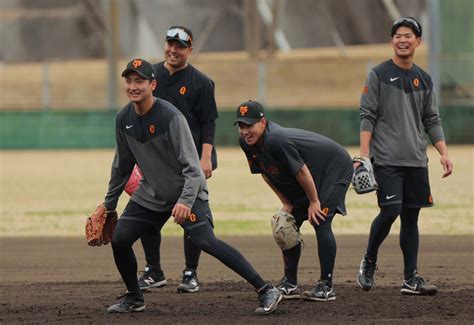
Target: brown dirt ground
62	280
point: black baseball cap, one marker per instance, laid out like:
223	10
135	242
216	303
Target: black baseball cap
140	66
181	34
249	112
407	22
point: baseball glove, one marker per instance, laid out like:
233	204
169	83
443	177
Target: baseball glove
100	226
363	180
284	230
133	181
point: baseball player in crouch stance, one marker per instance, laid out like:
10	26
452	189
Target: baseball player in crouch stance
398	106
310	174
192	93
155	135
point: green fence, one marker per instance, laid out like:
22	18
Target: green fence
53	129
456	57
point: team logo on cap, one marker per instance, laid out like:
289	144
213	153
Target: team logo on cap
243	110
136	63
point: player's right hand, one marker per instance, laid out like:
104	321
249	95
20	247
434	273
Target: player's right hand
315	213
180	213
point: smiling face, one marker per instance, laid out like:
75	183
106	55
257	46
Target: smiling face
176	54
252	133
404	43
137	88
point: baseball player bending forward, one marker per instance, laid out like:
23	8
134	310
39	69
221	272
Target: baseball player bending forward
154	134
310	174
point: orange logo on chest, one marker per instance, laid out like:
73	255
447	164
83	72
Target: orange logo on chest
416	82
182	90
151	128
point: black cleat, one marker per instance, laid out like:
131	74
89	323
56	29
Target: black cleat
288	290
321	292
151	279
128	303
190	282
366	275
416	286
268	298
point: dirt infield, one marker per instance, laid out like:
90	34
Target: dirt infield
61	280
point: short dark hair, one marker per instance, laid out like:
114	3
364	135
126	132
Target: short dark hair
409	22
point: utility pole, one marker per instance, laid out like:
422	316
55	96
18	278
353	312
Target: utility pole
113	52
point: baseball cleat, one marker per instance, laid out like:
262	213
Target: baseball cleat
129	302
366	275
287	289
416	285
190	282
268	298
151	279
321	292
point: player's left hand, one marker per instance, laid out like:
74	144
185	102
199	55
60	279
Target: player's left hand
315	213
447	165
180	213
206	166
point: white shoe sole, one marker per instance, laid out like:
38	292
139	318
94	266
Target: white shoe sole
184	290
134	310
308	298
418	293
291	296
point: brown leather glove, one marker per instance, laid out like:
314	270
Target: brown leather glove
100	226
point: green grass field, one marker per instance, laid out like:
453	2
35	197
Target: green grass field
50	193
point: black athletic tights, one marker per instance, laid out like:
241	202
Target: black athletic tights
326	251
151	246
409	236
128	231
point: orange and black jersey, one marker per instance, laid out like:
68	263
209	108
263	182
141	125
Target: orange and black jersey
161	144
284	151
398	106
192	92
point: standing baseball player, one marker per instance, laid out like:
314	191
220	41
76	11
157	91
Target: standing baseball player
398	106
154	134
310	174
192	93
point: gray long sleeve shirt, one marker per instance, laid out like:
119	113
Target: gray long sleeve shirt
398	106
161	143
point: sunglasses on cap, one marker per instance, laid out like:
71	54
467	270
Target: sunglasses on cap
181	33
410	21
